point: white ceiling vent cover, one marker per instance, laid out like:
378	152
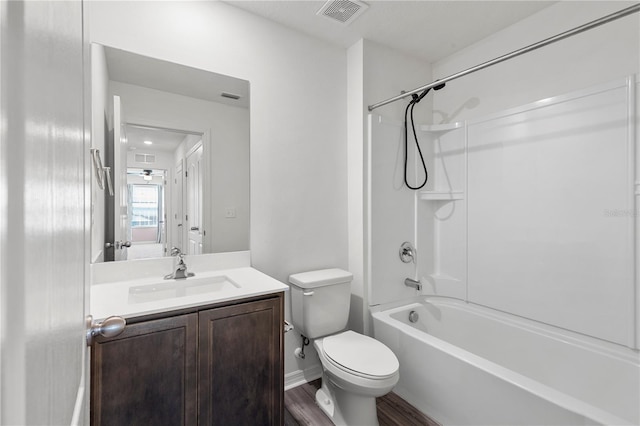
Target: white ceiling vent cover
145	158
342	11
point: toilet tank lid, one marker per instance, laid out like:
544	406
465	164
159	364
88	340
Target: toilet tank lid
320	278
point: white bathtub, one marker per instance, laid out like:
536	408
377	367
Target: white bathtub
464	364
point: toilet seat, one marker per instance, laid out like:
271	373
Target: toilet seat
360	355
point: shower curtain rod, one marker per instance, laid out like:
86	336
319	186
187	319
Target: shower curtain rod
590	25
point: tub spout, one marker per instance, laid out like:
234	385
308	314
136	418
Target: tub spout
413	283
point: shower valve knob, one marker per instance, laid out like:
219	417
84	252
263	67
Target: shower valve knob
407	252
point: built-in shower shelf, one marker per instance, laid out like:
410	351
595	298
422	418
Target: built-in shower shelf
441	128
441	195
441	278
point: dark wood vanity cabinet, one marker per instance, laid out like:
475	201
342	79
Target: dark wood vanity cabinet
147	374
220	365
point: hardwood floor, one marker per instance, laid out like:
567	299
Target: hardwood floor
301	409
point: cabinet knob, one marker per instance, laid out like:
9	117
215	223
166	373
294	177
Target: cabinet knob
110	327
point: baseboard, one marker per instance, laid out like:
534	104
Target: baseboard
300	377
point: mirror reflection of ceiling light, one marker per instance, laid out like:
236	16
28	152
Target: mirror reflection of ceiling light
148	142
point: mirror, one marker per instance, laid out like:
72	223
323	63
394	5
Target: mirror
171	158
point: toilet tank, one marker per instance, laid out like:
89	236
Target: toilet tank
320	301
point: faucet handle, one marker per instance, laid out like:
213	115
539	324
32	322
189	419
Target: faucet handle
408	252
175	251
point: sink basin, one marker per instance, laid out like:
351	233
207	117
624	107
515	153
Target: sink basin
171	289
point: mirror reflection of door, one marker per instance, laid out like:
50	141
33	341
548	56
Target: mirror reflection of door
178	227
194	199
116	223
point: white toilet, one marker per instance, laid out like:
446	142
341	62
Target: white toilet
355	368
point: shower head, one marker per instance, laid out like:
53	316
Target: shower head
417	98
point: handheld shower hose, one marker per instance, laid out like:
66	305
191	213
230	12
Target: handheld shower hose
412	103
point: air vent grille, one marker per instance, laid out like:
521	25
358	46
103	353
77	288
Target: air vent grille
342	11
145	158
230	95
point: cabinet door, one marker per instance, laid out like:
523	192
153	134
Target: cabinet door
241	364
147	375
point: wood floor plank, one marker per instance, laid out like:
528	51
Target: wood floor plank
300	402
400	412
392	410
289	420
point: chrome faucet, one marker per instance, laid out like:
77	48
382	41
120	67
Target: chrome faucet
413	283
180	272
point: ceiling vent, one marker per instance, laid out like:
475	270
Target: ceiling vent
230	95
342	11
145	158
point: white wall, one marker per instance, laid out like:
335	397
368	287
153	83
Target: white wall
298	149
392	212
298	120
596	56
298	138
356	182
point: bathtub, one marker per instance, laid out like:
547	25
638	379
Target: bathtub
464	364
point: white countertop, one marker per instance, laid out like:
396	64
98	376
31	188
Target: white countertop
117	298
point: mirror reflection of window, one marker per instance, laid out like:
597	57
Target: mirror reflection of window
146	213
145	206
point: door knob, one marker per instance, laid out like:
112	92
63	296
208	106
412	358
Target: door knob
118	244
109	327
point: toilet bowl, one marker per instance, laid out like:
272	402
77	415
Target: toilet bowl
355	368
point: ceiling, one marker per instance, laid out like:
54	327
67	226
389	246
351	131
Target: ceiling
161	139
426	29
131	68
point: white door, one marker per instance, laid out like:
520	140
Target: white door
177	203
194	200
162	213
45	159
122	226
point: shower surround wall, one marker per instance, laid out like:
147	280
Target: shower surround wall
607	54
532	213
531	209
439	228
520	222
